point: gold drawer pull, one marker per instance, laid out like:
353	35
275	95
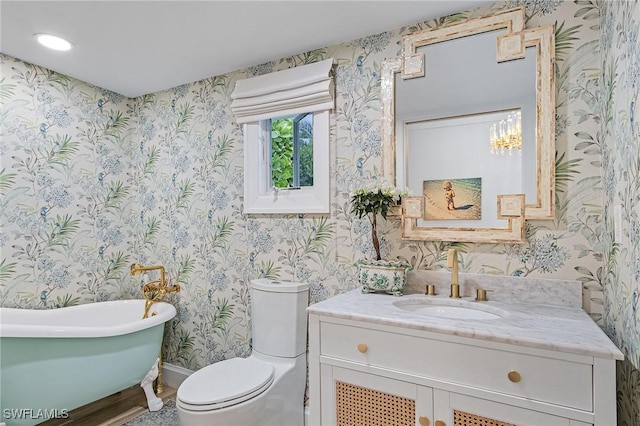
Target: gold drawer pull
514	376
424	421
440	423
362	347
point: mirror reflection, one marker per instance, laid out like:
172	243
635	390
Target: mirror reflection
457	103
438	98
506	135
456	152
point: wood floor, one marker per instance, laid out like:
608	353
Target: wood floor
113	410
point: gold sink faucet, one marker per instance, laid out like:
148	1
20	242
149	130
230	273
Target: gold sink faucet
452	262
153	291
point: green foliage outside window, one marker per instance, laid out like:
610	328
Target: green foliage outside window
306	163
282	152
282	144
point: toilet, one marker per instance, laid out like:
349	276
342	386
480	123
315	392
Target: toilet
267	388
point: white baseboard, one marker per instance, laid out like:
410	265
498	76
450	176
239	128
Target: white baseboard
174	375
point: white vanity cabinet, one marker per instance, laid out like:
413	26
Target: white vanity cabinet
363	373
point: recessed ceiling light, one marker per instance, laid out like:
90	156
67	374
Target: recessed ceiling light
53	42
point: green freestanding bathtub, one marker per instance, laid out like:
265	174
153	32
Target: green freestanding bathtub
52	361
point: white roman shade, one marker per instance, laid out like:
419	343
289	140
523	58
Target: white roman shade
307	88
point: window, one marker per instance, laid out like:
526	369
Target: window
291	151
286	133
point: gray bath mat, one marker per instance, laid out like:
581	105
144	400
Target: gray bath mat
167	416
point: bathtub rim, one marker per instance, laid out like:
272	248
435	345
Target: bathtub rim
165	312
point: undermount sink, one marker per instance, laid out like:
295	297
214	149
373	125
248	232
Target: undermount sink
450	309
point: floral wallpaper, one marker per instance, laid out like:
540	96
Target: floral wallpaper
64	160
92	182
618	143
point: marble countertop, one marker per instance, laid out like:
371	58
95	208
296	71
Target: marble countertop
544	326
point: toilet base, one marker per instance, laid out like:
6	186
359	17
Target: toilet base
279	405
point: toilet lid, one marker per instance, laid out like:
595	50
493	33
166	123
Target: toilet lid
225	383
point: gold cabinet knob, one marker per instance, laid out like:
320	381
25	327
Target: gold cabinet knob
514	376
424	421
440	423
362	347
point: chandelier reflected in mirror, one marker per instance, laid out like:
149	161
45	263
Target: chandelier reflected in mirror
506	135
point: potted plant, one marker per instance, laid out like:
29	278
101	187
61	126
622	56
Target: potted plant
379	274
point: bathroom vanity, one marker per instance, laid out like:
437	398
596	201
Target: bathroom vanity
432	360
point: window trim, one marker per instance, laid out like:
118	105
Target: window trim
260	198
296	147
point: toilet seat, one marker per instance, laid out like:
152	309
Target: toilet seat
225	383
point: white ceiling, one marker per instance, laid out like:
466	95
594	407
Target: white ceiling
140	47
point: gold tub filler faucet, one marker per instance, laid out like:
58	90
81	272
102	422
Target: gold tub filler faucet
153	291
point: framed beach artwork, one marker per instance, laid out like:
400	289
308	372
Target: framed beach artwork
452	199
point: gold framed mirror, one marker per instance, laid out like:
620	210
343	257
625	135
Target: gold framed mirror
456	79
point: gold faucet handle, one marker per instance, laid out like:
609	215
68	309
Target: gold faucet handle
135	268
153	292
174	289
481	295
430	290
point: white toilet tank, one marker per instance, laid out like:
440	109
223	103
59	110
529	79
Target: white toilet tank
279	317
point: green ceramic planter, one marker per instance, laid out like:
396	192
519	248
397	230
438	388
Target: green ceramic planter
382	275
